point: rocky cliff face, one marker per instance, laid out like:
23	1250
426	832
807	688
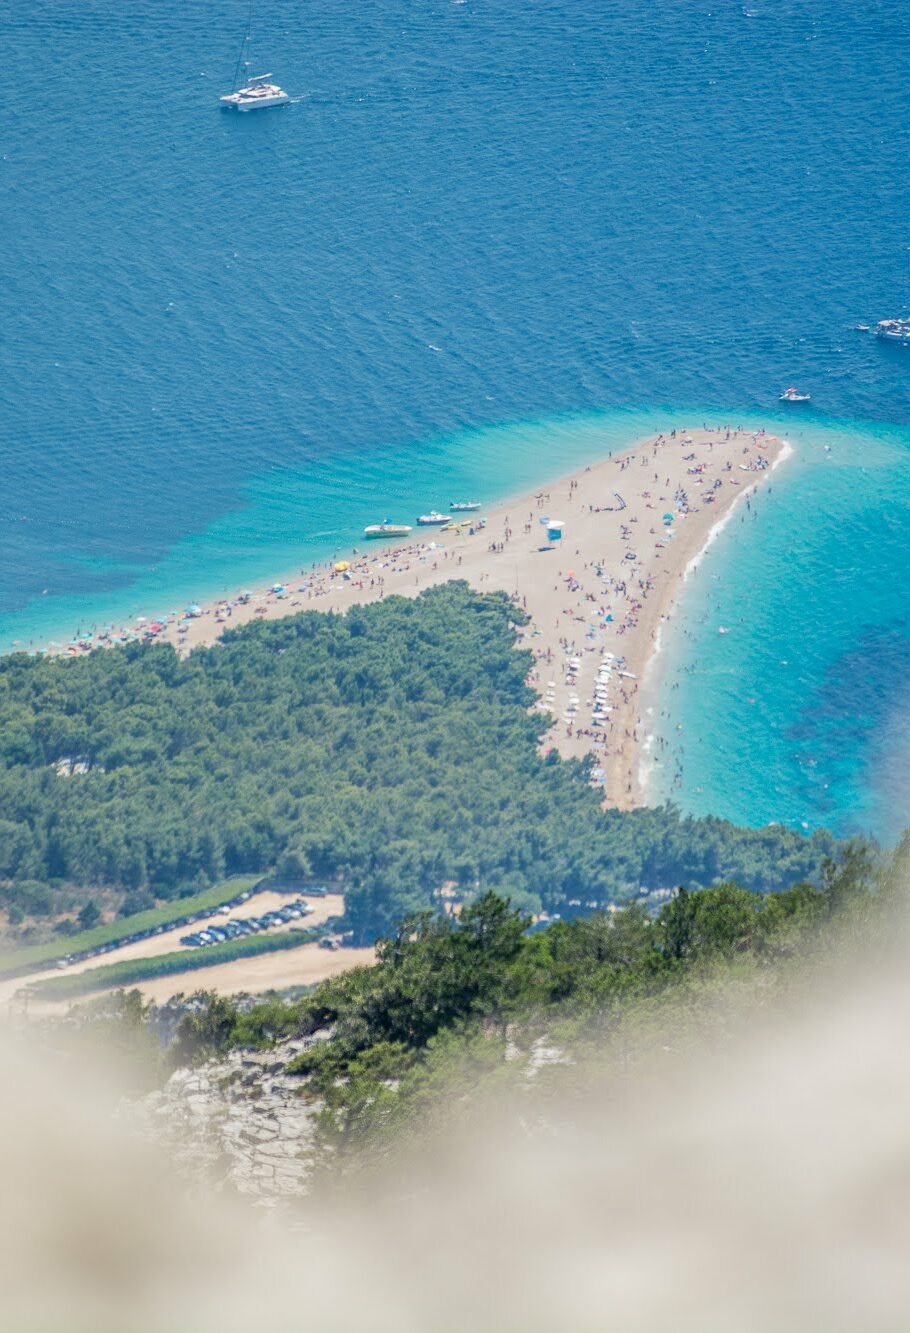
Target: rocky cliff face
240	1123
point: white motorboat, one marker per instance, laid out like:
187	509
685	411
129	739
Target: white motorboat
792	395
464	506
433	519
894	331
386	529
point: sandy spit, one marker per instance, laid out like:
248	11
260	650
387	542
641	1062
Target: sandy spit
634	524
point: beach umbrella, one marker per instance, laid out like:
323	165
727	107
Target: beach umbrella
668	518
194	610
342	566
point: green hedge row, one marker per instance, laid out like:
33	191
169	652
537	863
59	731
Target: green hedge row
133	970
18	962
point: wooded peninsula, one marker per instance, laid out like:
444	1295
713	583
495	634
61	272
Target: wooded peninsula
392	750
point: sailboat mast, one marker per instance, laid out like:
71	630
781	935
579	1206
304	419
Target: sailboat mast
244	60
251	91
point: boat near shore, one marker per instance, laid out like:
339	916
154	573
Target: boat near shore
433	519
895	330
377	530
464	506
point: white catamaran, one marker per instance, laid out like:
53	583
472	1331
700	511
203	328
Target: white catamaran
252	92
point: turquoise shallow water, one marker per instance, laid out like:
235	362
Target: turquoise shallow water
289	517
480	235
798	713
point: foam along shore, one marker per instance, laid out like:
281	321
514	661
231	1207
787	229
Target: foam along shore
598	596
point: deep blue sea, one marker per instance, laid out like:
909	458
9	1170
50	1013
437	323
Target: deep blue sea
489	240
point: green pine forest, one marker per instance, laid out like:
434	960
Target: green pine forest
455	1007
390	750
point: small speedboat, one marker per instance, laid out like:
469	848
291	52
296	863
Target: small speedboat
792	395
464	506
433	519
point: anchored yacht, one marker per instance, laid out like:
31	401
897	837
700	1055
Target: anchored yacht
255	94
894	331
252	92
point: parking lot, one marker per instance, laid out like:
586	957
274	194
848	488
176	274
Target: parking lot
332	904
237	927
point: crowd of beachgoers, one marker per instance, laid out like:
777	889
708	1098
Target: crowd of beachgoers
596	559
608	624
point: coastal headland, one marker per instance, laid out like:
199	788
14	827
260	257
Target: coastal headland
630	526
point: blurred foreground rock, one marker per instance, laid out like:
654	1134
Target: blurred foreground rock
238	1123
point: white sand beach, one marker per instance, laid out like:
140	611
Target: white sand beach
597	598
632	526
